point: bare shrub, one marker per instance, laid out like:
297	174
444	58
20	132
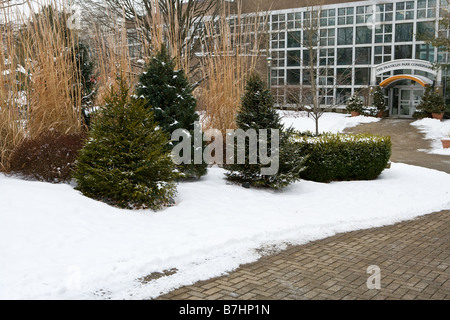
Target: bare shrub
49	157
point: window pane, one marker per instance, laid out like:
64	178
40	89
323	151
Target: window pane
293	76
293	58
345	36
403	32
363	35
344	76
306	57
363	55
361	76
294	39
425	52
306	76
343	94
403	52
344	56
425	30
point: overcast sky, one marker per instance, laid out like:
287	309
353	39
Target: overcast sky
24	9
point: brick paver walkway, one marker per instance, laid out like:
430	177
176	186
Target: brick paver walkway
413	256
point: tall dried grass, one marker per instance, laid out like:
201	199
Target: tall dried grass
54	95
230	52
40	67
39	85
112	59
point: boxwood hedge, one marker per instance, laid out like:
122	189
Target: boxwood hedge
343	157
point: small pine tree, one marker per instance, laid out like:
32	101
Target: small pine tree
379	100
355	104
432	102
257	112
168	93
125	161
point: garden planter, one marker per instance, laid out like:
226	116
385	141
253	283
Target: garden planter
445	143
438	116
380	114
355	113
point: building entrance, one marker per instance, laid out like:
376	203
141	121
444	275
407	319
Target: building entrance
403	100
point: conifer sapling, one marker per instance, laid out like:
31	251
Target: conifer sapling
125	161
168	93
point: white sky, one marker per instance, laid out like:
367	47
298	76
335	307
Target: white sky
24	9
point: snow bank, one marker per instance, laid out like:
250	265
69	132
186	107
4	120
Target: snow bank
57	244
434	130
328	122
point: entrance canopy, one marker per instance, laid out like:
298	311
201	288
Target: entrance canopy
423	81
405	64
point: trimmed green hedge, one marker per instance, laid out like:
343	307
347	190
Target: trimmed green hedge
342	157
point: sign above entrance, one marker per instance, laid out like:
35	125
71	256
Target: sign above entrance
404	64
421	65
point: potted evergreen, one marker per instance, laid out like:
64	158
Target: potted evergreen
355	105
379	102
432	103
446	142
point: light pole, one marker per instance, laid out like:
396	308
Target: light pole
269	70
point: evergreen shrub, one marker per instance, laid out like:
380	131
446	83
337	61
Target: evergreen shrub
168	94
257	112
343	157
125	161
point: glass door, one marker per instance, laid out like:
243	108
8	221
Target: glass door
417	95
404	103
393	99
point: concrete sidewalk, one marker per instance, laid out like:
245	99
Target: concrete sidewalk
413	256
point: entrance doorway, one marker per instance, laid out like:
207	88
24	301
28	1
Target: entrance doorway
404	100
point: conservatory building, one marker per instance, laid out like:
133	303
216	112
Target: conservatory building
361	45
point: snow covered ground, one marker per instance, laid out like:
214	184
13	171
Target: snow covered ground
57	244
328	122
434	130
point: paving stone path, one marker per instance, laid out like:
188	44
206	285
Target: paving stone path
413	256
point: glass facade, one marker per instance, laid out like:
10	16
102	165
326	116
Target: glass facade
348	41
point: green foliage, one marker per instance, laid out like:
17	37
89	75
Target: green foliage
369	111
168	93
355	104
432	102
337	157
125	161
379	101
257	112
421	114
